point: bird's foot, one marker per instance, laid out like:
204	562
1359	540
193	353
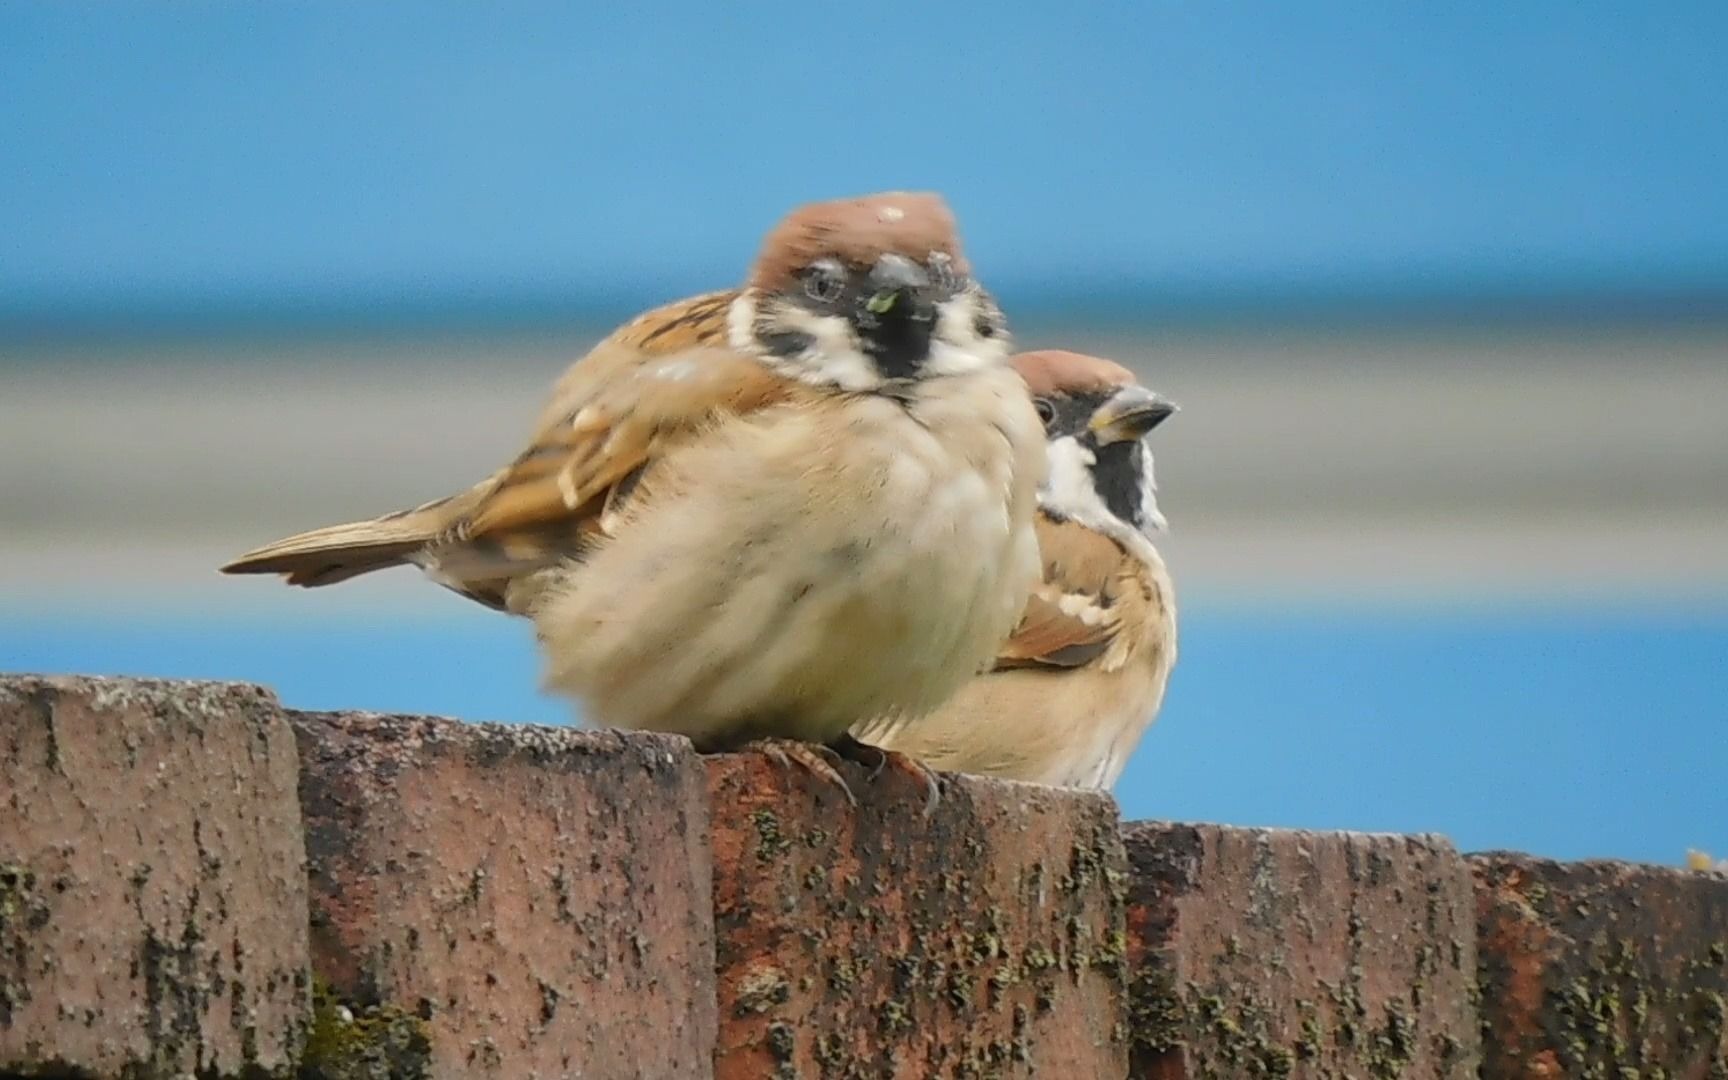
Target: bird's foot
807	756
876	759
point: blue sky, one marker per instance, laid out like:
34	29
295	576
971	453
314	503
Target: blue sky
320	156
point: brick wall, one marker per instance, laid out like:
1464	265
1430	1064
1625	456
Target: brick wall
197	882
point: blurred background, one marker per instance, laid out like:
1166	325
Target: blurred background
1443	290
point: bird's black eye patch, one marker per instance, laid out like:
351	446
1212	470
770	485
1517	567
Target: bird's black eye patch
984	326
785	342
1046	410
1070	414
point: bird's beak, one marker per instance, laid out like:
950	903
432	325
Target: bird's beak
882	302
899	282
1130	413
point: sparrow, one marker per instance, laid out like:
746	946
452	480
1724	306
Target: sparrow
760	514
1082	676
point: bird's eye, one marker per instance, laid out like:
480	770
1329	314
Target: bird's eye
1046	410
823	282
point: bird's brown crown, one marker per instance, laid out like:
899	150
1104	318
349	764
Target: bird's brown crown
1057	371
858	232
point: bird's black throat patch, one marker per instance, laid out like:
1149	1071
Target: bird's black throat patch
898	345
1116	474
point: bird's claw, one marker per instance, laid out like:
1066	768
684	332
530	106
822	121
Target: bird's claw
811	758
876	759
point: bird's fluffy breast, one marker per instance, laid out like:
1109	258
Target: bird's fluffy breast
809	564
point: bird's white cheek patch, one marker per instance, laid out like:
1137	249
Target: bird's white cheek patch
946	359
833	358
1068	483
740	318
1149	492
1068	492
956	348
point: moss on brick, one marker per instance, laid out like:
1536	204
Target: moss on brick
380	1042
1631	963
22	912
771	843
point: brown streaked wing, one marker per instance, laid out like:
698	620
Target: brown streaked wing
622	426
1070	619
698	322
584	402
1048	636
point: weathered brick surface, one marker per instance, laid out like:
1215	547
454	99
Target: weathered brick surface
540	897
1269	953
1601	969
152	880
871	942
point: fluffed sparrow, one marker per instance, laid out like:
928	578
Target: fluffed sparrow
1080	680
764	513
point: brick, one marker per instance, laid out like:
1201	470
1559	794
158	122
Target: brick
1268	952
1601	969
539	897
872	942
152	880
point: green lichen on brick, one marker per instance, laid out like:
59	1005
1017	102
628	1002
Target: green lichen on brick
891	1018
1091	861
1229	1031
987	942
843	972
1111	955
22	913
1156	1013
1392	1047
380	1042
832	1052
771	842
1039	958
921	954
1626	1012
782	1041
760	991
959	990
17	893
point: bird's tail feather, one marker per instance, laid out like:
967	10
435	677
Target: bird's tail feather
339	552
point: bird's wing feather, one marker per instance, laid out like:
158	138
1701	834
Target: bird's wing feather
613	441
1065	631
623	421
659	381
1070	619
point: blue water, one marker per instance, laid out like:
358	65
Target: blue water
1568	732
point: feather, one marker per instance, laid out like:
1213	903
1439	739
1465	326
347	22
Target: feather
339	552
652	385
